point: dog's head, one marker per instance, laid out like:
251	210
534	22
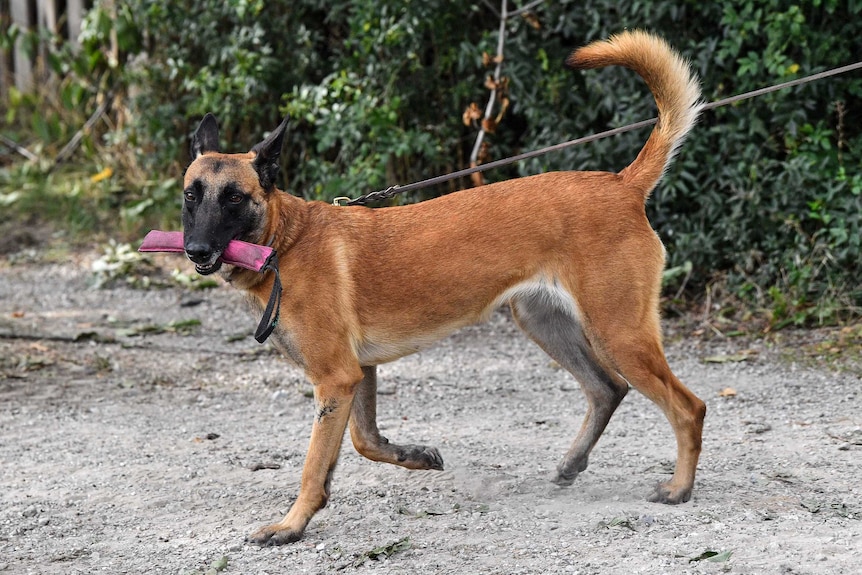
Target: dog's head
225	195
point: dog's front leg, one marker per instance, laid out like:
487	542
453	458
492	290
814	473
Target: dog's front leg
366	436
333	397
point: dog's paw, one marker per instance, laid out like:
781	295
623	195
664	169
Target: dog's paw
668	493
564	480
272	535
420	457
568	471
432	458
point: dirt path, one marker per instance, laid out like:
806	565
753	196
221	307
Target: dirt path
129	445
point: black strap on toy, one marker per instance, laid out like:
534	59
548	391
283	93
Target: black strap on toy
273	307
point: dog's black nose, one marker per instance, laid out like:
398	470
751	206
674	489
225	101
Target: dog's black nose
198	252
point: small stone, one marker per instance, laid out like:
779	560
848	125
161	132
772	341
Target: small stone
758	427
30	511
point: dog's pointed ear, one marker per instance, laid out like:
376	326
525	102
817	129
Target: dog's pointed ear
205	138
267	154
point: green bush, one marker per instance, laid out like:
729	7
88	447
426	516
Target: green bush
764	197
767	191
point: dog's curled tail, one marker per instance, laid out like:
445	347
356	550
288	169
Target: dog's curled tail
673	85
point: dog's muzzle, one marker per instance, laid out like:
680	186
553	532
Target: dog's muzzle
208	269
206	261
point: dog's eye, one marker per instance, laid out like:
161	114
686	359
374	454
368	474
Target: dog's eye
189	196
236	198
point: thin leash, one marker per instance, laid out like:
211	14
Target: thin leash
272	312
397	189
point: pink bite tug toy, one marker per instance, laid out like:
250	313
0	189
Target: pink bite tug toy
238	253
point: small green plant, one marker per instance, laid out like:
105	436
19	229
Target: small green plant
120	262
384	551
193	281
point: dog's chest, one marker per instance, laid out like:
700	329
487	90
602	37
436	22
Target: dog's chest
284	343
281	337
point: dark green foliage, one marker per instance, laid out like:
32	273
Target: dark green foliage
764	196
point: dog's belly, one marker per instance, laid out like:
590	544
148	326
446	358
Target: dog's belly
390	343
377	349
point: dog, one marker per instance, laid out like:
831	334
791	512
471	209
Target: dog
572	254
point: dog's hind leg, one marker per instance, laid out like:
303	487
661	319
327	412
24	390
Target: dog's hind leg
642	362
366	436
549	318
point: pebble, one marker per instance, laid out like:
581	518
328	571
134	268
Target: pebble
758	427
30	511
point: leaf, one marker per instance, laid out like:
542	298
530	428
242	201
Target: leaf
93	336
103	175
721	557
184	326
471	114
264	465
418	514
384	551
617	522
727	392
672	274
488	60
219	564
714	556
731	358
532	20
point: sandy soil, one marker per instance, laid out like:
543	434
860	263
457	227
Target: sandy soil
130	444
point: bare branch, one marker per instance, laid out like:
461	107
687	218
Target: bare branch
526	8
12	145
73	144
489	108
491	7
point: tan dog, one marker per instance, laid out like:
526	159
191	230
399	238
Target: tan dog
572	253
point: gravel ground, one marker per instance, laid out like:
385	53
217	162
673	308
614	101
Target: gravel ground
131	444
